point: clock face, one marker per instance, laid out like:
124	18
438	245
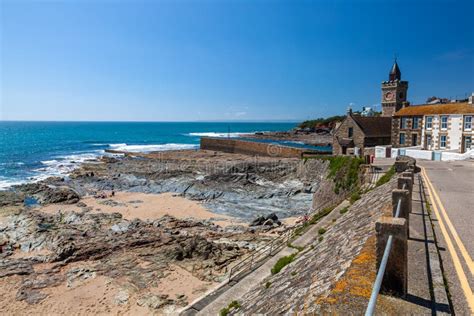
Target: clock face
389	96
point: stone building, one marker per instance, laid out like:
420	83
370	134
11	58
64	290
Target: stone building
435	127
357	133
394	92
407	130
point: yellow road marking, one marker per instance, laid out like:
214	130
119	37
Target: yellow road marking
462	248
454	256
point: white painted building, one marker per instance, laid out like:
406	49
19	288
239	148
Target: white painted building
444	127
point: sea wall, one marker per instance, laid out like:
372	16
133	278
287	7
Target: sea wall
239	146
302	286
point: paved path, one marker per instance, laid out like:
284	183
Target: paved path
451	195
425	277
258	276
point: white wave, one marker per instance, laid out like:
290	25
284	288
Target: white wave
64	165
83	157
60	166
117	145
150	148
213	134
5	184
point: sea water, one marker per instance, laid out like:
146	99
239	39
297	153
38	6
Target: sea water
31	151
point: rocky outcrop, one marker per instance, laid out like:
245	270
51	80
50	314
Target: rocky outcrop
47	192
244	187
114	247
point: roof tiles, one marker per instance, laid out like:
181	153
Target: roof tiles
433	109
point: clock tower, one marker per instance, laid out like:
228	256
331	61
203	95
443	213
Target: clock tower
394	92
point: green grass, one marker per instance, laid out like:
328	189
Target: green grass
386	177
299	248
226	310
283	262
344	210
354	196
428	207
343	170
314	219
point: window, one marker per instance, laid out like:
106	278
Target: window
414	139
444	122
402	138
467	143
403	123
429	122
468	122
350	132
442	141
416	122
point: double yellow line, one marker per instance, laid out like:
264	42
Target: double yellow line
439	208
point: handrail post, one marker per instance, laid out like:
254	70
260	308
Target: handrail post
405	204
395	278
406	181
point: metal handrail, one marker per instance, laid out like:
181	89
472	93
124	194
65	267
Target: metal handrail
383	265
256	256
273	245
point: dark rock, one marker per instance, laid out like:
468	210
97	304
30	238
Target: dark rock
268	222
272	216
258	221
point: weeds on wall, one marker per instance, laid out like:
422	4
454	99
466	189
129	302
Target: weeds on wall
283	262
226	310
386	177
354	196
344	171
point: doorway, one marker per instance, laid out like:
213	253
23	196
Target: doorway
414	139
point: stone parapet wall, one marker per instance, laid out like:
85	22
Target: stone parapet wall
239	146
300	288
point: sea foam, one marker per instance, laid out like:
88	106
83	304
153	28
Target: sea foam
212	134
150	148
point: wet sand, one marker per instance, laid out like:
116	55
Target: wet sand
145	207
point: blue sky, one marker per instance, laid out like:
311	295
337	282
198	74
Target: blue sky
225	60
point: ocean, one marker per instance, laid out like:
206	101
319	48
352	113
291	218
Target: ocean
32	151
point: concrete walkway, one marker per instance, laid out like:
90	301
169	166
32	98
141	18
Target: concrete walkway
229	293
426	288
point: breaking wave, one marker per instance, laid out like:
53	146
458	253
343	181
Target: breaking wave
150	148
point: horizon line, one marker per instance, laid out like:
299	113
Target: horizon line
119	121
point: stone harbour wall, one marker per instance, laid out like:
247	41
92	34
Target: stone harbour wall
300	287
239	146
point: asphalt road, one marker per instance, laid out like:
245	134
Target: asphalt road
450	190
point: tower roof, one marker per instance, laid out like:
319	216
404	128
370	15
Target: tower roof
395	73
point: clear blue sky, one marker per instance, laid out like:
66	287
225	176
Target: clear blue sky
225	60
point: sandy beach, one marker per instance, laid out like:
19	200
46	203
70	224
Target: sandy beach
145	207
